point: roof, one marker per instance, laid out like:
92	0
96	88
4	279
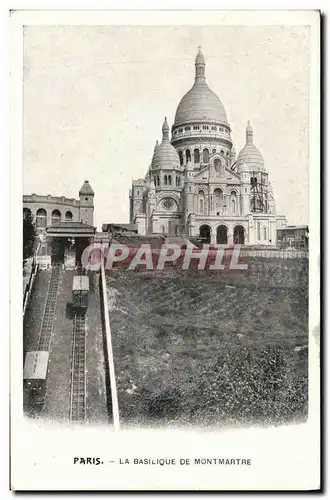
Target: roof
80	283
292	228
70	229
200	103
86	189
115	226
35	366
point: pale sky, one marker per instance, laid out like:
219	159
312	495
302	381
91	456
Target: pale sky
95	98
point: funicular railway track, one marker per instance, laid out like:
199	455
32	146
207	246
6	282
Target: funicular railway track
78	371
36	362
49	311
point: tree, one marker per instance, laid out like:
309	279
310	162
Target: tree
29	234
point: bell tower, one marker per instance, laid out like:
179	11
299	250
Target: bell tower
86	207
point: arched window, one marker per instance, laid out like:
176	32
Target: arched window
196	156
218	194
163	229
265	233
233	197
169	180
68	215
41	219
158	180
181	157
239	236
56	216
201	197
258	231
218	200
206	155
254	181
188	155
165	180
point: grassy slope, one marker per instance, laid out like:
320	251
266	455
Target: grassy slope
193	350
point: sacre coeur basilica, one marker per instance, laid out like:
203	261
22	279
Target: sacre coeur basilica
196	186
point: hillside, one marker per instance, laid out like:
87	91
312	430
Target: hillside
196	349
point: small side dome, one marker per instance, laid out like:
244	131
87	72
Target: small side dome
165	155
86	189
250	155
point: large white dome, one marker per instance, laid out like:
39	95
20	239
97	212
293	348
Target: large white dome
200	103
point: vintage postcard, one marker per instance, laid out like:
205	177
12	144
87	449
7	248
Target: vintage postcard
165	250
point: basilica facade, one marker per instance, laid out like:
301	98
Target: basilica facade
196	186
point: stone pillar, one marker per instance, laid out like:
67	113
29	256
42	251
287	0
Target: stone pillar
230	236
252	231
238	205
211	208
273	233
213	236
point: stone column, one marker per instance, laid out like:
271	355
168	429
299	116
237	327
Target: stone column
213	236
230	236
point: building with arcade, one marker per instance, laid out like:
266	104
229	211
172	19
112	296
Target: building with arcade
65	226
197	186
47	209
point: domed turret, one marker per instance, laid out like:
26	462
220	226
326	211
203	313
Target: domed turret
165	155
250	155
86	189
200	103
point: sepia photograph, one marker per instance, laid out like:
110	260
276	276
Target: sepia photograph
166	224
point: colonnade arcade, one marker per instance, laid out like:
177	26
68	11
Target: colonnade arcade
223	234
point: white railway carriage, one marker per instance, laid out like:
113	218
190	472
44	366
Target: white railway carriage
80	289
34	376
